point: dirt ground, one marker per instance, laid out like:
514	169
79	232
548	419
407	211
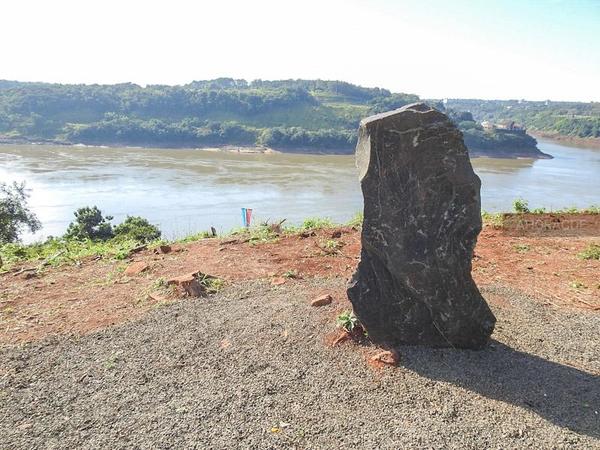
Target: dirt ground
96	294
93	358
251	367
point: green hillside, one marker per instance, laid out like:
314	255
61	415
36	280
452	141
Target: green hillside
574	119
293	115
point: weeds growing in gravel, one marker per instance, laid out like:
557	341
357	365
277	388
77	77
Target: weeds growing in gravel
347	320
212	284
576	284
522	248
592	251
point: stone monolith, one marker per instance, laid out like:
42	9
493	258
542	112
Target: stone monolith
422	216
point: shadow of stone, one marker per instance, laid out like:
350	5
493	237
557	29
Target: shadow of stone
563	395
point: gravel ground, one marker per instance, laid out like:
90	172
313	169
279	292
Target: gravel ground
248	368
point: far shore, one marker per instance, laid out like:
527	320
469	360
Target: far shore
570	141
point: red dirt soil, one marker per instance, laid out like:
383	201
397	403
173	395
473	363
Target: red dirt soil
96	294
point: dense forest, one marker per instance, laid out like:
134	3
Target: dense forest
565	118
295	115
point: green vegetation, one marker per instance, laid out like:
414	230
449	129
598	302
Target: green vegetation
592	251
522	248
316	223
15	215
357	220
521	206
212	284
124	238
90	224
91	234
293	115
290	114
347	320
58	251
494	219
566	118
137	228
499	141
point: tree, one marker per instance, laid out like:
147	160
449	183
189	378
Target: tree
90	224
14	213
137	228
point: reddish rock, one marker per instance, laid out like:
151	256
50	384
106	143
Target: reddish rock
390	358
278	281
156	296
322	300
164	249
342	337
136	268
188	284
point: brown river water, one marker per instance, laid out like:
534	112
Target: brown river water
189	190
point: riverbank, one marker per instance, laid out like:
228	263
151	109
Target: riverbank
254	364
500	153
572	141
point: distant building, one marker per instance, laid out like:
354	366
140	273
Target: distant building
508	125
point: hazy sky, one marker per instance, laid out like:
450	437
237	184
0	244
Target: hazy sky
538	49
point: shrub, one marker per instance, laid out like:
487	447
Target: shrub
90	224
137	228
521	206
14	213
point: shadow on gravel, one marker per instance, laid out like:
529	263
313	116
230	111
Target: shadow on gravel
563	395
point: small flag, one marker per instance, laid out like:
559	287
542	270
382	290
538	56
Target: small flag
246	216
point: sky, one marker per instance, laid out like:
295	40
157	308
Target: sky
512	49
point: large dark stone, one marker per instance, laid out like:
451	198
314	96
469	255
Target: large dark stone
422	216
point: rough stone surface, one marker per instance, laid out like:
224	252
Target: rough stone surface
422	216
322	300
136	268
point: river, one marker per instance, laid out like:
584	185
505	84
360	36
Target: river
185	191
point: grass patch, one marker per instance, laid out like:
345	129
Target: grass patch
58	251
522	248
258	234
357	220
317	223
592	251
494	219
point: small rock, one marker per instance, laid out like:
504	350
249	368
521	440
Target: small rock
322	300
307	234
28	275
189	284
156	296
136	268
164	249
390	358
342	337
336	234
278	281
